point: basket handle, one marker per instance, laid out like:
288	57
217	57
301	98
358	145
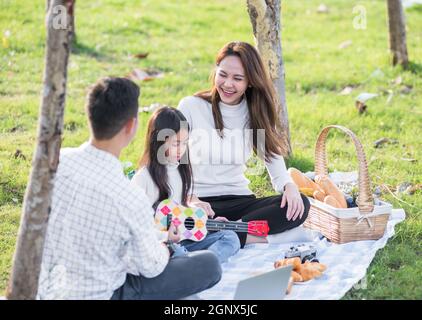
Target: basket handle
365	200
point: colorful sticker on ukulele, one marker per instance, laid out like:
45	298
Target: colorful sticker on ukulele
176	211
164	221
176	222
165	210
187	234
199	224
199	235
188	212
200	213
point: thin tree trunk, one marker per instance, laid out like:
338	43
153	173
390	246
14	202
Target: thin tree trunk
72	23
23	282
265	18
397	31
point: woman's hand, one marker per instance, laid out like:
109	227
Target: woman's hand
195	202
292	198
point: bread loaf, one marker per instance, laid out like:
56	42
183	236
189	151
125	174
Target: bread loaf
320	266
319	195
331	189
301	180
331	201
289	285
309	272
296	277
295	262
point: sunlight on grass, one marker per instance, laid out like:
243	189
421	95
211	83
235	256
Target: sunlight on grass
183	46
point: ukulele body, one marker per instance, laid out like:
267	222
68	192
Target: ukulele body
191	222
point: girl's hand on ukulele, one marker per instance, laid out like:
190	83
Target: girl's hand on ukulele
223	219
203	205
173	233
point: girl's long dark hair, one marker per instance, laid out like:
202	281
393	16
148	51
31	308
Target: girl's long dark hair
165	122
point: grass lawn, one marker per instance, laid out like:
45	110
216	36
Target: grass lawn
182	38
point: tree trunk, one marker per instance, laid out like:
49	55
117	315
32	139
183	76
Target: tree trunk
397	28
72	25
23	283
265	18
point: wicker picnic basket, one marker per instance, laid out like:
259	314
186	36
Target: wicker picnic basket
367	221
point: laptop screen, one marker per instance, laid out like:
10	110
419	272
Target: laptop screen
271	285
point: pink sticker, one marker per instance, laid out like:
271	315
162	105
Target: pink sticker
176	222
165	210
198	234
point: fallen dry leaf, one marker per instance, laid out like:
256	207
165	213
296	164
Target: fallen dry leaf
409	159
142	55
402	187
151	108
406	89
365	96
346	91
345	44
18	154
412	189
145	75
378	143
397	81
361	107
322	8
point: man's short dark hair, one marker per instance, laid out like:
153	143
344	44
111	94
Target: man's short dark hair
110	104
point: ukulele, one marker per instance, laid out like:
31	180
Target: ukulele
193	223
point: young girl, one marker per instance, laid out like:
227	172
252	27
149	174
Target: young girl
165	172
241	96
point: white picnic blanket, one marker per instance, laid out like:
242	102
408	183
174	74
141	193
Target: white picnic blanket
347	263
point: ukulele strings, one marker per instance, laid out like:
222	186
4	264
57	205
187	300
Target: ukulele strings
235	226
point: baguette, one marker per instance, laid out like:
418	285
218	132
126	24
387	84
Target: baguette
319	195
301	180
309	192
331	201
331	189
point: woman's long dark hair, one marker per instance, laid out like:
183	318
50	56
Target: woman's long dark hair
262	100
164	123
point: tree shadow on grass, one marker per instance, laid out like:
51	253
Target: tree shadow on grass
79	48
415	68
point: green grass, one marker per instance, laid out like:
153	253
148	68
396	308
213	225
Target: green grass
182	38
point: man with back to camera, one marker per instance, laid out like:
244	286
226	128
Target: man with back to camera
101	241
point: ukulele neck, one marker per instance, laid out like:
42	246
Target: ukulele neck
213	225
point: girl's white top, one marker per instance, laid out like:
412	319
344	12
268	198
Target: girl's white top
143	179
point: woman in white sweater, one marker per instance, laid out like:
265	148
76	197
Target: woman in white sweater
234	118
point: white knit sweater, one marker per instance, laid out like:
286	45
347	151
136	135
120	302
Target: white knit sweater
219	165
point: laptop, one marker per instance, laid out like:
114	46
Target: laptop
271	285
